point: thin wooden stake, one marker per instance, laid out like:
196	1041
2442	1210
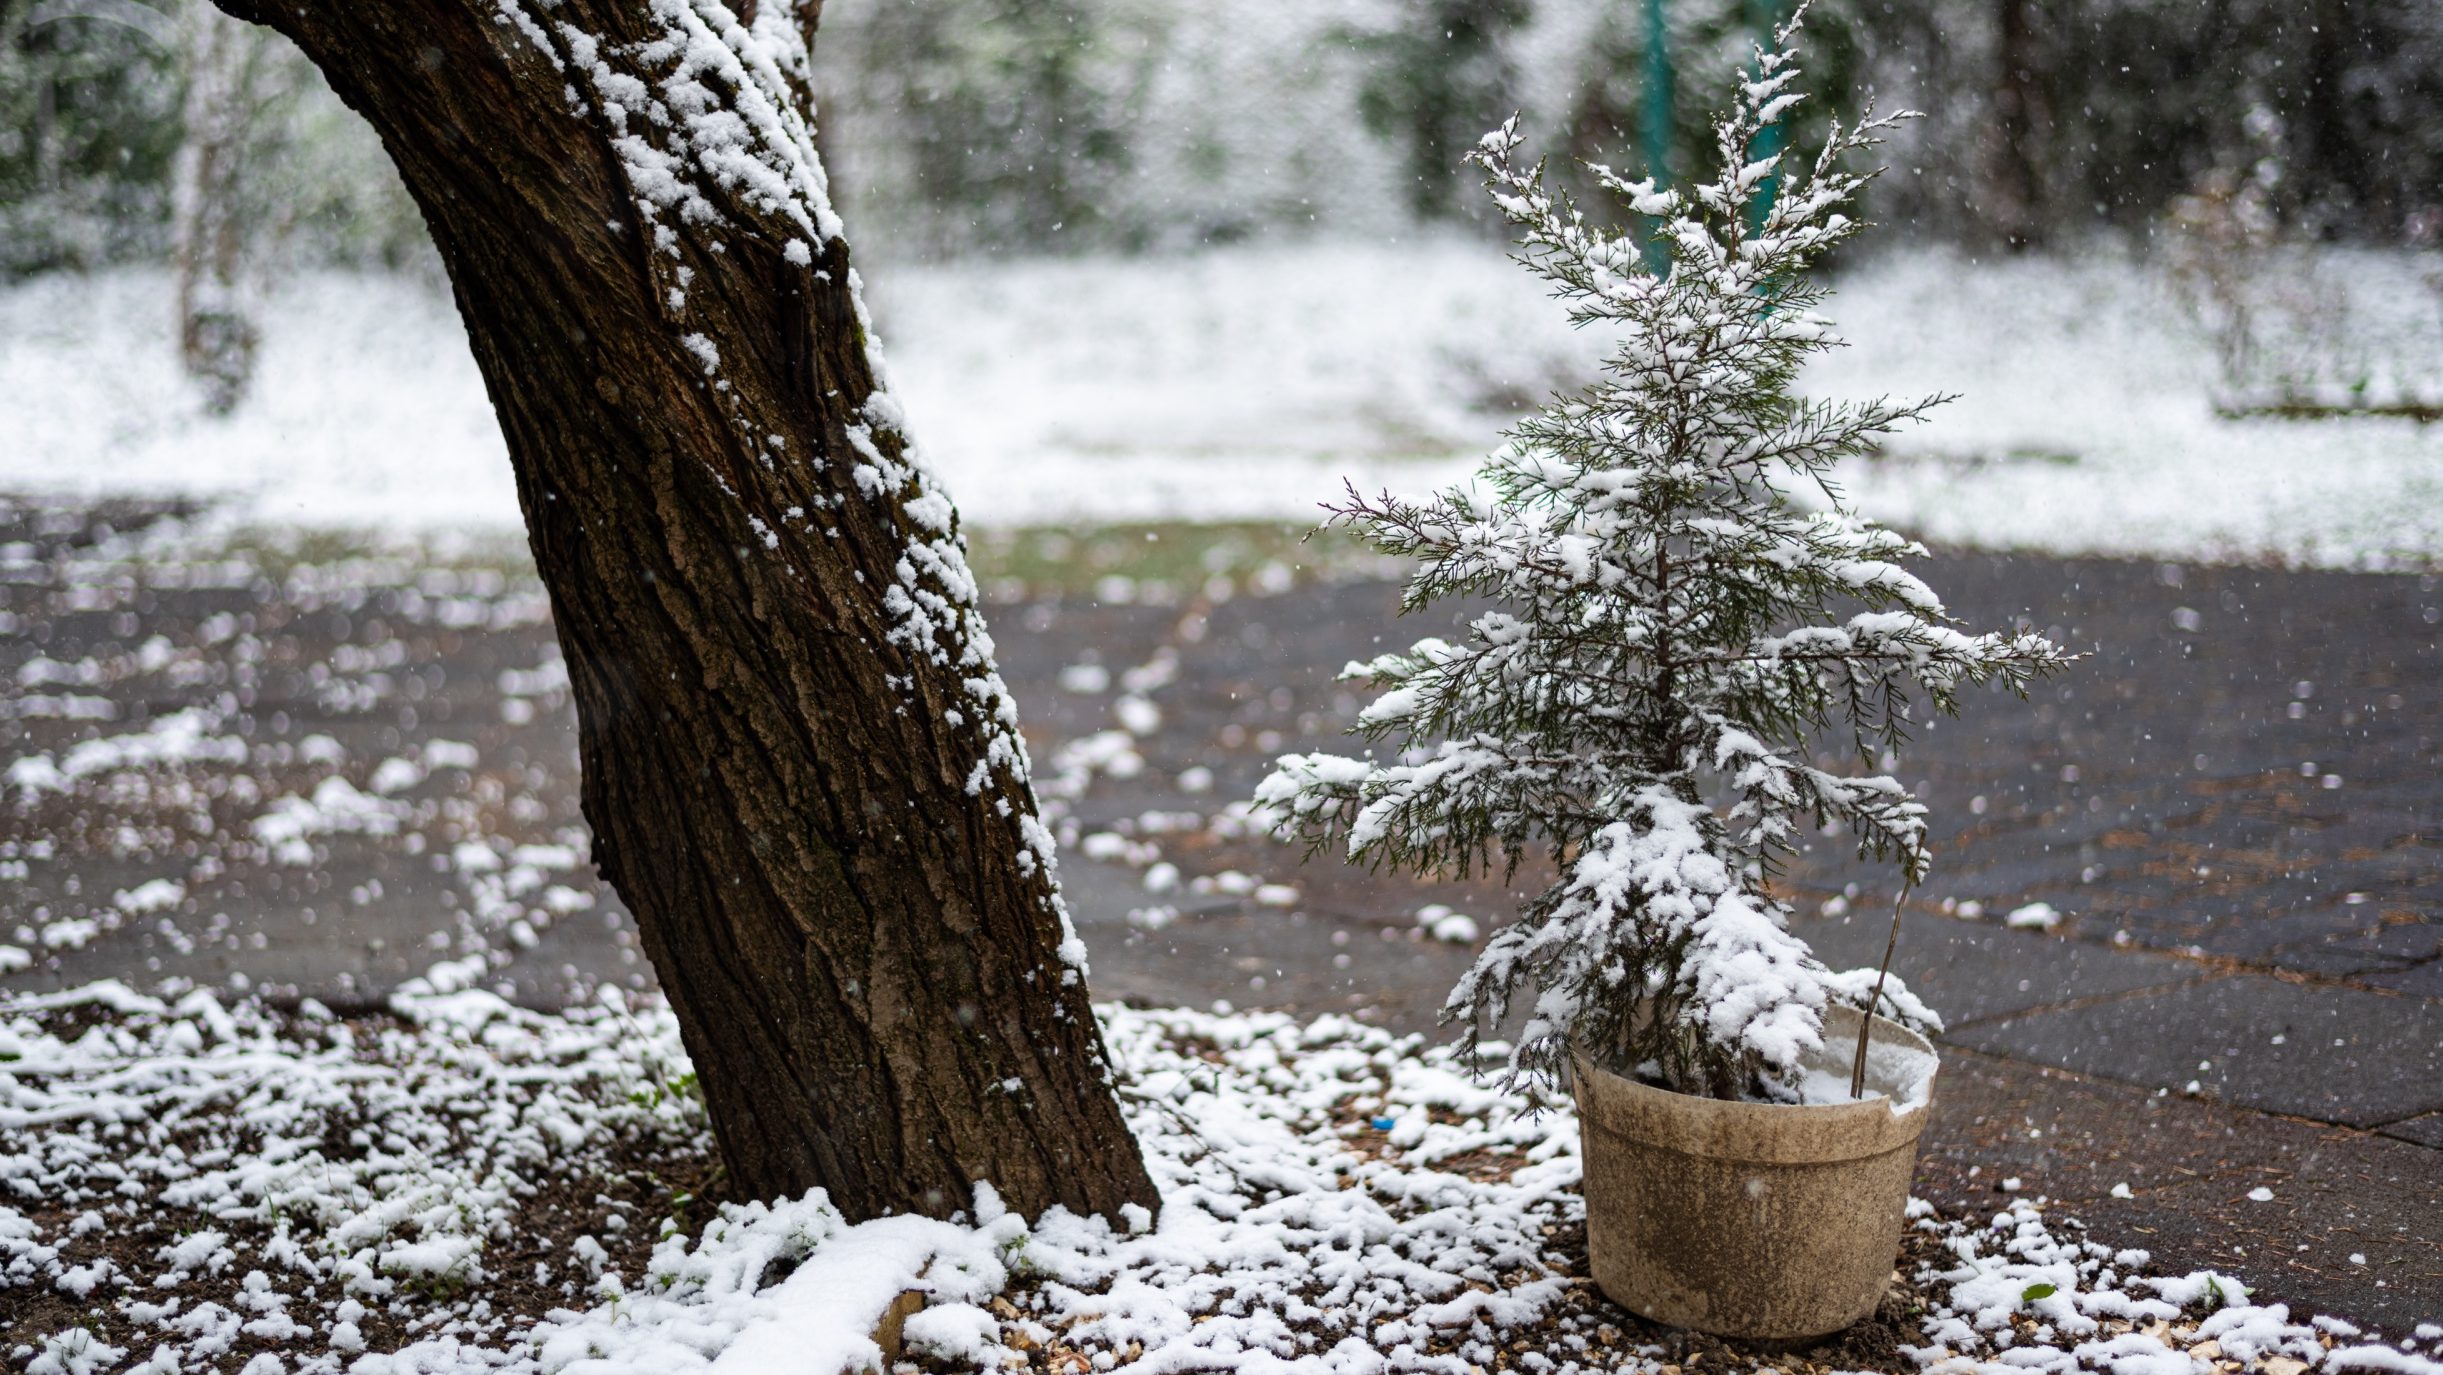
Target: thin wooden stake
1866	1025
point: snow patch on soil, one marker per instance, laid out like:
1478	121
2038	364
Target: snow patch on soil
1335	1200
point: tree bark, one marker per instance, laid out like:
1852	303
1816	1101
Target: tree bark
802	773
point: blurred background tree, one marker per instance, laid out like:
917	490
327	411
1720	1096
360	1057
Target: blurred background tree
98	98
1435	78
169	132
1034	126
1009	120
89	124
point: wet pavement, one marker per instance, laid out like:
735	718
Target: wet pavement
315	771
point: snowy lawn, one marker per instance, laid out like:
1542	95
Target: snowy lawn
466	1186
1247	383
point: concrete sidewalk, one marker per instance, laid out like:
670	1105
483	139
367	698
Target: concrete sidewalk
2239	989
2223	914
2240	992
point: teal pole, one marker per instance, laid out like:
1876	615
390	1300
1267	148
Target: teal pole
1658	94
1657	118
1763	16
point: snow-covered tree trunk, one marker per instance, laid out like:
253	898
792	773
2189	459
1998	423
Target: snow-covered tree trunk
802	771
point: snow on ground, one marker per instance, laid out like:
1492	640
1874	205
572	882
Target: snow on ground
1247	382
367	409
1239	385
211	1185
2086	421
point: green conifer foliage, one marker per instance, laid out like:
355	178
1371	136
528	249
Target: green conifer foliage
1672	636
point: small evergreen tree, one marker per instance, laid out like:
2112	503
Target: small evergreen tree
1665	646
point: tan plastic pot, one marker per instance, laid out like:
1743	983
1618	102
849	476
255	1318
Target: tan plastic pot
1748	1220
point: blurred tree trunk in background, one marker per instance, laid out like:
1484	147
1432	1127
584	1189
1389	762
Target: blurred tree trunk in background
802	774
216	333
2332	136
2014	201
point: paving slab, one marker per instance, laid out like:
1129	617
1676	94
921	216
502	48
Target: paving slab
2246	766
2319	1051
2351	1229
2158	798
2424	981
2423	1131
2341	962
1975	971
1224	950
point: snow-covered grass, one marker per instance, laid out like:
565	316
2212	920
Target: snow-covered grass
1247	382
366	409
1234	385
2086	418
187	1185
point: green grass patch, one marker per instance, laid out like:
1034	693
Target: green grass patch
1041	561
1164	558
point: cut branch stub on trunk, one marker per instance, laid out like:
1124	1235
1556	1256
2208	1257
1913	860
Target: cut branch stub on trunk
803	774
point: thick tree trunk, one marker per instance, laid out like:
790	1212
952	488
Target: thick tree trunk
803	775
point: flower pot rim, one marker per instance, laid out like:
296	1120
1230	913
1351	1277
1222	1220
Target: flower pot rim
1763	1133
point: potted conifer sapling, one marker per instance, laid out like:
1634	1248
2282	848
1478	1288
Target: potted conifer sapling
1672	638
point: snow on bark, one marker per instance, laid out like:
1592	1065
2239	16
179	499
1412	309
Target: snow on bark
1668	640
708	102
